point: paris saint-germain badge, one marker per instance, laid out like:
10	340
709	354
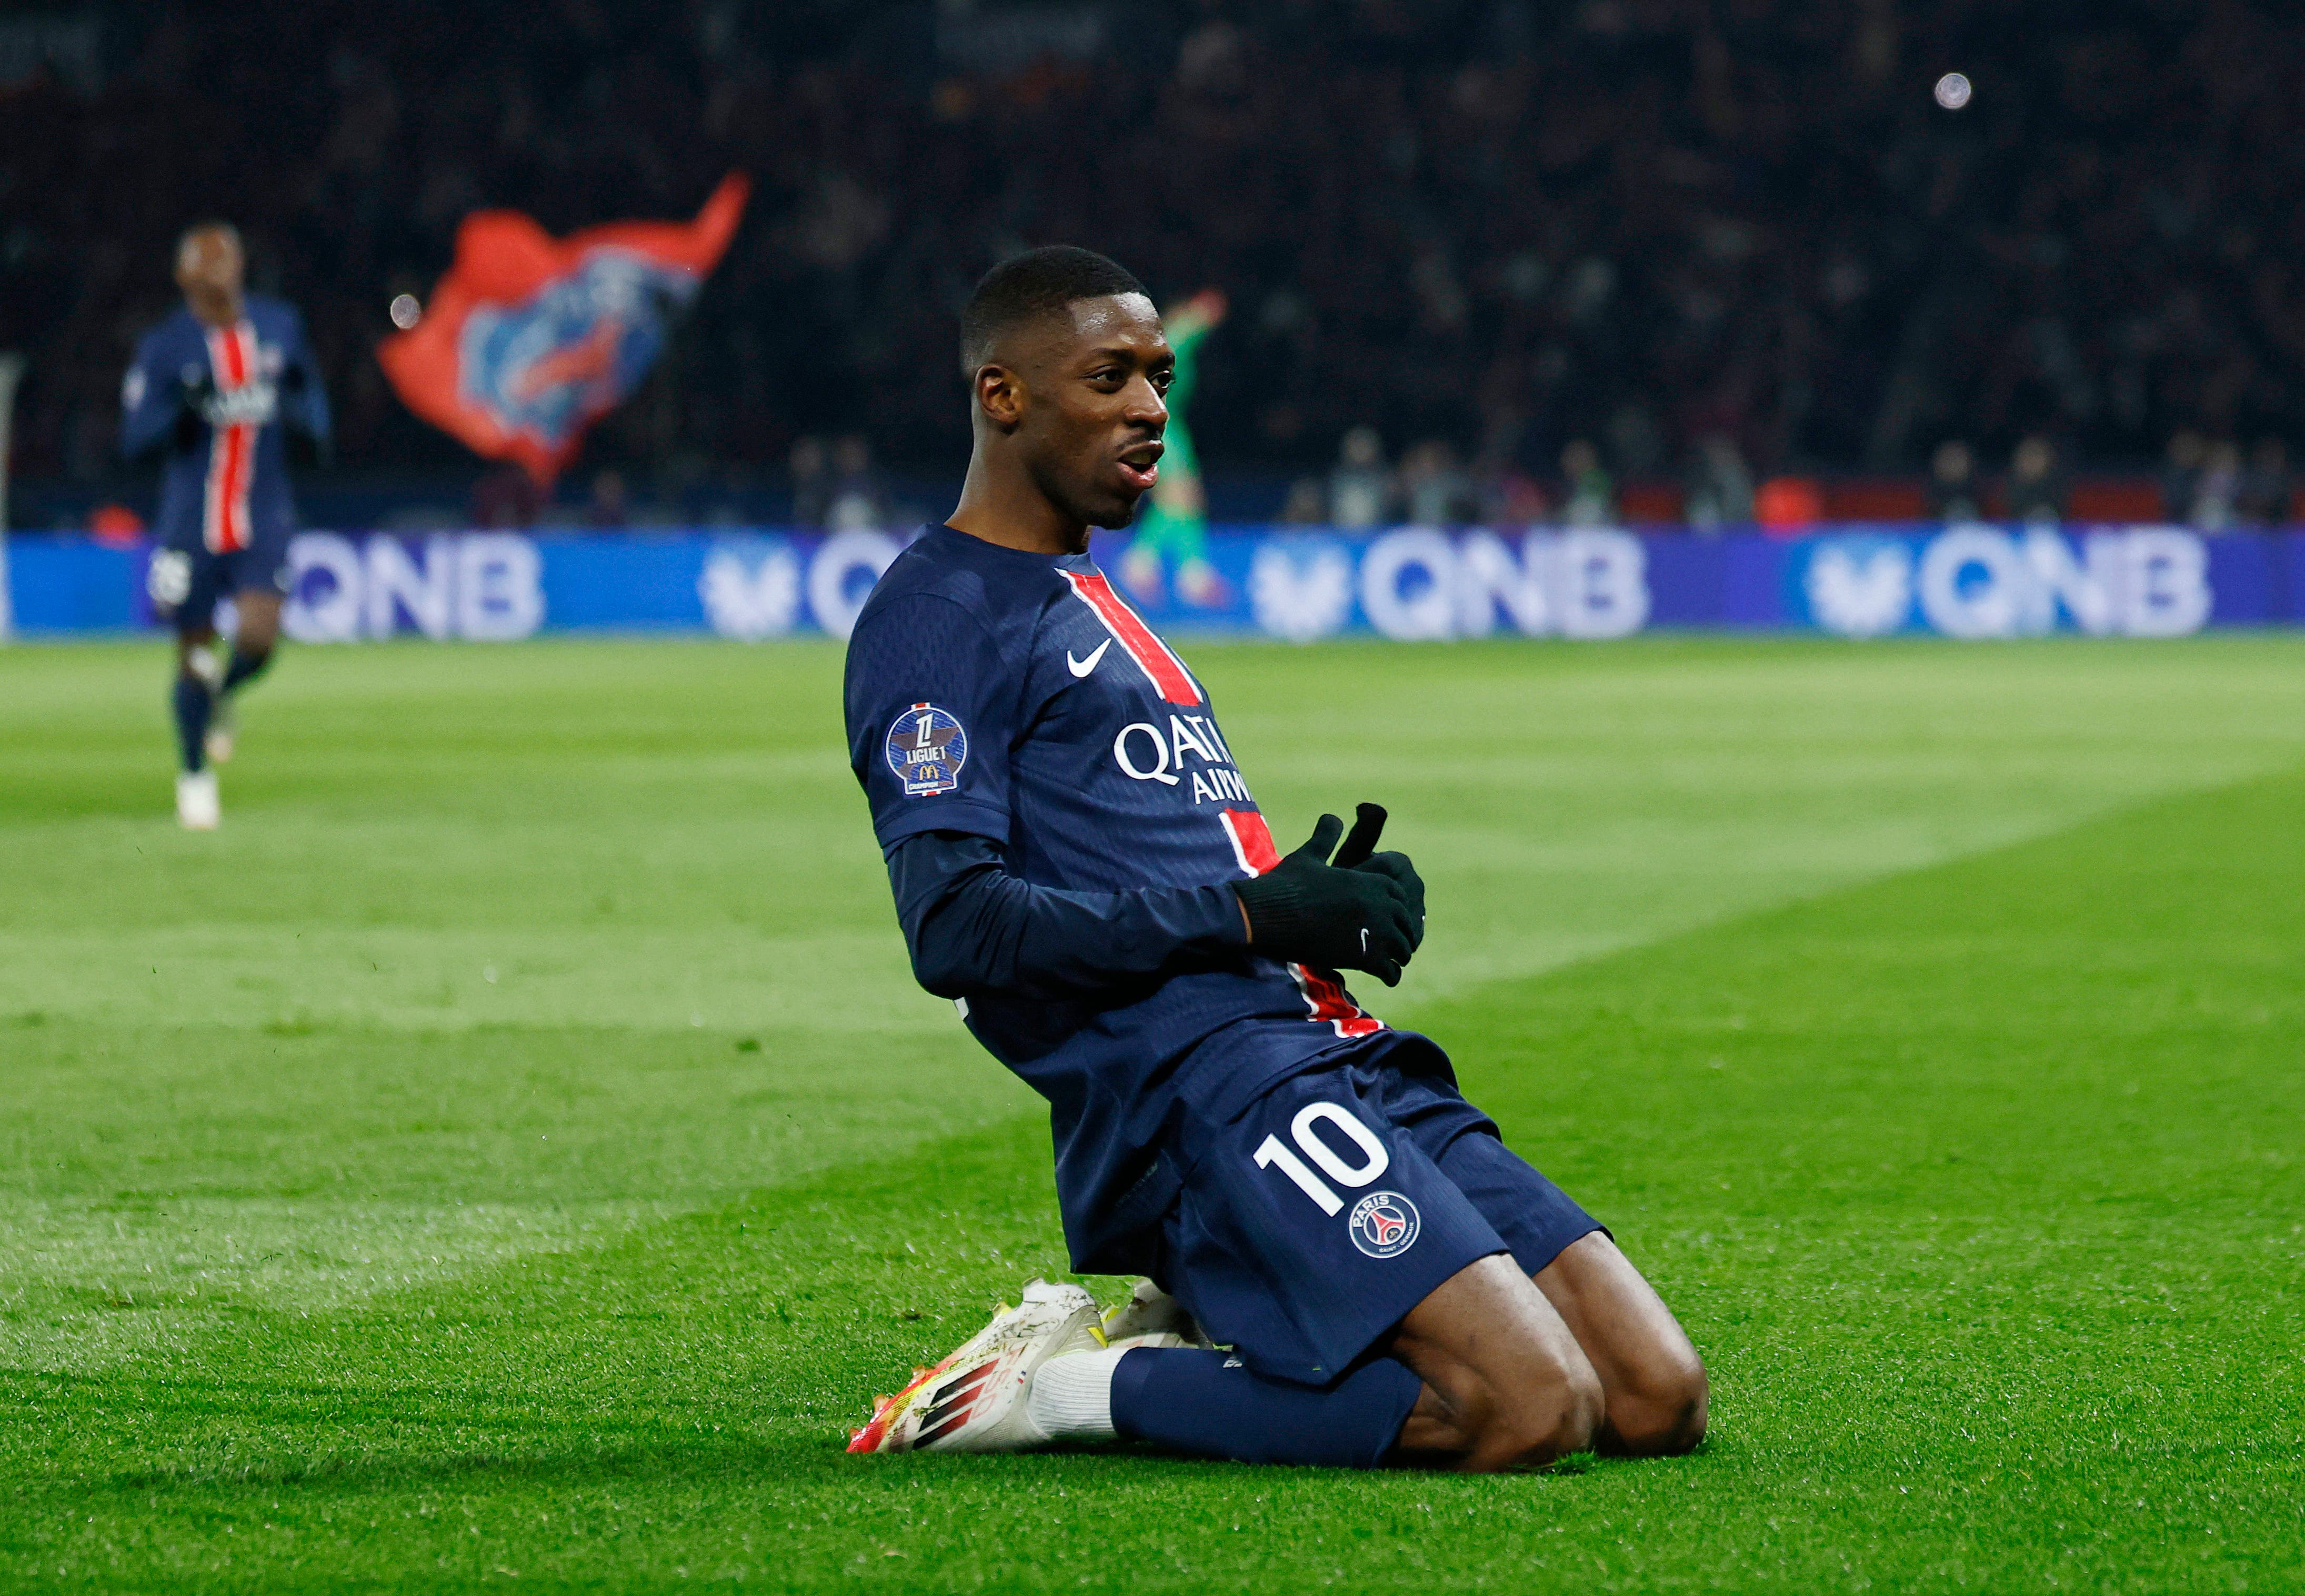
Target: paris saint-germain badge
926	749
1384	1223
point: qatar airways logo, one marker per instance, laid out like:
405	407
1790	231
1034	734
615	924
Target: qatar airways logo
1145	753
253	403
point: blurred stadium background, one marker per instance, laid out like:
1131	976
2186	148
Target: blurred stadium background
1721	244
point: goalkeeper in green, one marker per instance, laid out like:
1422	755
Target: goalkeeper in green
1175	532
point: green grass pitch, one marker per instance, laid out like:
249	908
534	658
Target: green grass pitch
512	1151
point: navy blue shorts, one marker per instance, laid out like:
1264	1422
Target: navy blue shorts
1312	1223
187	584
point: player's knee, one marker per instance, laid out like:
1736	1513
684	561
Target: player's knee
1661	1411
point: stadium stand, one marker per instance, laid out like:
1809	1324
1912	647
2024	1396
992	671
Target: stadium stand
1491	231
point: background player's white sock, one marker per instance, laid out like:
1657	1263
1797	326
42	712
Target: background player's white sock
1071	1396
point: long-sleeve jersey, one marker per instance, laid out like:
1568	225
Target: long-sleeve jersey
214	400
972	926
1063	819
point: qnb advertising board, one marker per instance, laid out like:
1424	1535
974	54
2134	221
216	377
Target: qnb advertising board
503	586
1407	583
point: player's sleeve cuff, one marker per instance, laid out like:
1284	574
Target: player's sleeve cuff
941	813
1232	917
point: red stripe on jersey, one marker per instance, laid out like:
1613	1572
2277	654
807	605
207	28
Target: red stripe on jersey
232	449
235	353
231	526
1252	840
1152	656
1326	997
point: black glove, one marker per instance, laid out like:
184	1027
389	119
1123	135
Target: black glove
197	390
194	388
1358	911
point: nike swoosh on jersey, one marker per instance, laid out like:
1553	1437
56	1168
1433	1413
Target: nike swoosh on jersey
1081	667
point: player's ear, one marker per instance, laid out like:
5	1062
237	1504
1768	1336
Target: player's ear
999	395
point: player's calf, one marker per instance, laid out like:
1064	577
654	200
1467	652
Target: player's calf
1663	1430
1660	1412
1478	1428
1654	1381
247	664
257	635
1506	1386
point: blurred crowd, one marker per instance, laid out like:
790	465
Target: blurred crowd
1489	258
2204	484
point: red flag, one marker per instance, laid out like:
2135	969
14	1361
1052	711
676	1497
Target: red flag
529	339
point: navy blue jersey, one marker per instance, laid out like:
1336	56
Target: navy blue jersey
1014	697
217	398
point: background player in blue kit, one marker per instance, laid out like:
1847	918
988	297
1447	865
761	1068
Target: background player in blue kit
1079	863
215	387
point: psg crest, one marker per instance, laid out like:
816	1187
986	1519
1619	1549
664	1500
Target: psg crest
926	747
1384	1223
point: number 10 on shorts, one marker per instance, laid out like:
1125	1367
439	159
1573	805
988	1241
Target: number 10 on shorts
1272	1153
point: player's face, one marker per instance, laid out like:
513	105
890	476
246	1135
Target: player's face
1092	428
209	270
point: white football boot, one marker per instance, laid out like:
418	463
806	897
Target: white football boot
1150	1317
197	807
974	1400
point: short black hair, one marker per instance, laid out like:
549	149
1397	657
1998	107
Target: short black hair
213	224
1038	283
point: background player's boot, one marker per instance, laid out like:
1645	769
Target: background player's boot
224	728
197	807
1140	571
1198	583
1150	1317
974	1400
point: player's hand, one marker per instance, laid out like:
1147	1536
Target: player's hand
1358	910
1369	823
196	396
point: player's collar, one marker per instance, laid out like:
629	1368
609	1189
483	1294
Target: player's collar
968	545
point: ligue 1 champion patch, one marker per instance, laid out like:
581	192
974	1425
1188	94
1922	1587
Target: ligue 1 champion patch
926	747
1384	1223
